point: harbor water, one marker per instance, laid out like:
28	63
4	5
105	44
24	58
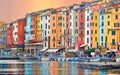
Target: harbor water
33	67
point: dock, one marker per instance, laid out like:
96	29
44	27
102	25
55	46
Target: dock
99	65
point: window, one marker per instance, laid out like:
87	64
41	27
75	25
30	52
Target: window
15	33
76	24
53	17
108	23
116	9
53	38
87	18
64	32
113	33
27	32
87	40
95	31
16	26
95	17
102	17
91	31
45	33
101	38
70	31
45	44
102	44
60	18
96	24
105	38
31	26
76	17
63	18
53	24
87	10
102	31
53	31
49	21
113	41
46	26
108	16
116	16
91	17
76	10
95	38
53	44
32	32
59	24
102	23
45	38
87	32
87	24
76	31
41	26
91	45
41	18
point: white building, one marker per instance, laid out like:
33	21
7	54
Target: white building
15	32
87	26
45	28
74	24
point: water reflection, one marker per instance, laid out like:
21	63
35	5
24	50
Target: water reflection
48	68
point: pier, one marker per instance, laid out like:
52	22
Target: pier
100	65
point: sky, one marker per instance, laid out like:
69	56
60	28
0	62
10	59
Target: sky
11	10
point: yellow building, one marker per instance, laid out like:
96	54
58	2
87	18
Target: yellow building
108	26
55	29
114	31
38	26
95	38
2	28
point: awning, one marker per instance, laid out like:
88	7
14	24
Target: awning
112	50
52	50
44	49
72	50
83	45
90	50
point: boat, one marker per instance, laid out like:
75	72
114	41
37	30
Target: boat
117	59
9	58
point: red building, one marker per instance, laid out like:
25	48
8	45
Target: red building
81	26
10	35
35	27
21	32
67	28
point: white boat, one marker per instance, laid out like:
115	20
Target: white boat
117	59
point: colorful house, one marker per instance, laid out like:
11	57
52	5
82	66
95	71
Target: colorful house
45	29
102	27
108	25
55	29
81	42
9	35
32	46
114	31
21	33
87	26
1	35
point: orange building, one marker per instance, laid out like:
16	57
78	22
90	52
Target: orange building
55	28
2	26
